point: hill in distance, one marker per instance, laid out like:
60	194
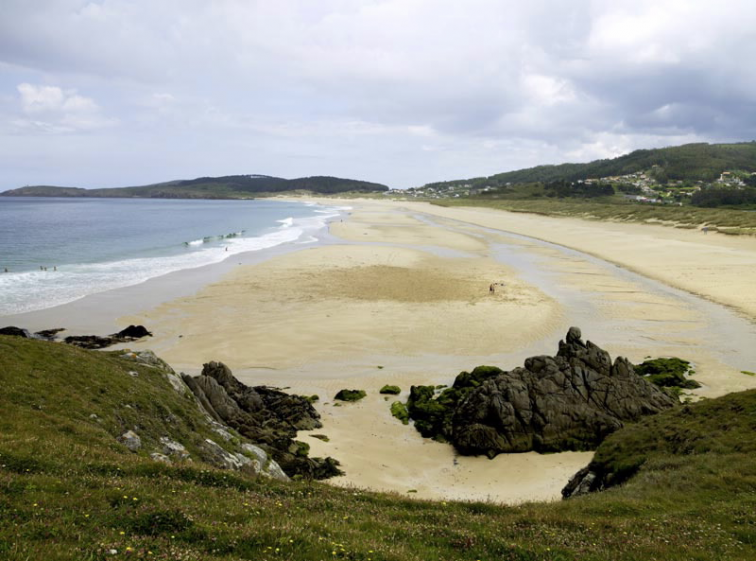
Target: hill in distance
226	187
692	162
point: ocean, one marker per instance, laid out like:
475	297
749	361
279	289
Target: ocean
57	250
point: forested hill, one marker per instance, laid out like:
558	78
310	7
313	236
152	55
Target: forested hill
693	162
226	187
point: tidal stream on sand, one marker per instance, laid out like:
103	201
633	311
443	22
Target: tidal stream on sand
621	310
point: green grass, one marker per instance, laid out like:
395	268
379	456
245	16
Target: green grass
726	221
68	491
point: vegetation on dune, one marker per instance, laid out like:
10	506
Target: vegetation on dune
68	491
719	219
725	197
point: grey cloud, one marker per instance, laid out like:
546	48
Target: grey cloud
403	87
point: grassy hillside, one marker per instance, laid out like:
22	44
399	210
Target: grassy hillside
688	162
227	187
68	490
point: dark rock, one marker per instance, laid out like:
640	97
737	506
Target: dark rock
131	333
49	334
598	476
90	341
571	401
15	332
583	482
214	398
267	416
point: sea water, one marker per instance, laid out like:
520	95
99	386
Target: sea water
57	250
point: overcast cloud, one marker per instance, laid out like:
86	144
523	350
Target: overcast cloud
403	92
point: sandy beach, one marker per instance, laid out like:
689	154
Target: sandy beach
400	295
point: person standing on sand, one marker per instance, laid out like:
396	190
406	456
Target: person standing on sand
705	230
492	288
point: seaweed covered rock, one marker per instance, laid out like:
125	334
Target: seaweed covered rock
433	411
668	373
350	395
49	334
131	333
45	334
390	390
399	410
570	401
13	331
265	415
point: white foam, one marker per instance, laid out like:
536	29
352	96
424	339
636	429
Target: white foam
36	290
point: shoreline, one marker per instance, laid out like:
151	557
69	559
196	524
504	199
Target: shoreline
398	293
100	312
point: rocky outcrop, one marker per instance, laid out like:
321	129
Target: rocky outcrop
267	416
173	449
148	358
571	401
13	331
131	333
45	335
350	395
268	466
49	334
130	440
587	480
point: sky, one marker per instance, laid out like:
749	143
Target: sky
402	92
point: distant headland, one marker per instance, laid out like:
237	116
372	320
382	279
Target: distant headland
225	187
